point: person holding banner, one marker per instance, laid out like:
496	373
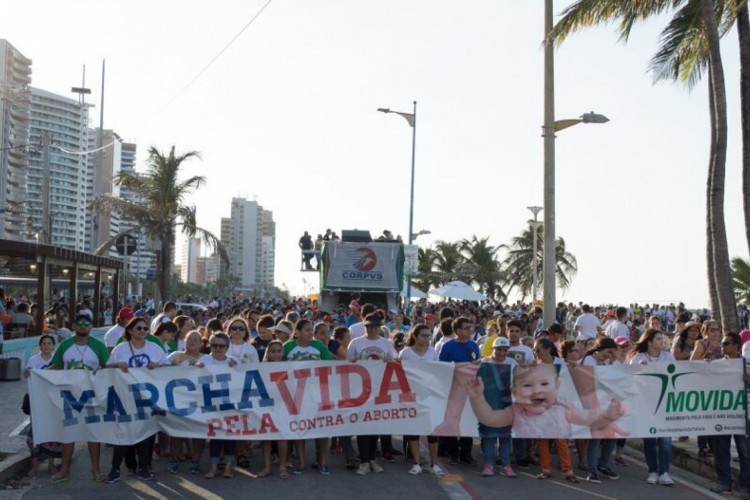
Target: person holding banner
80	352
187	357
274	352
135	352
649	349
418	349
219	344
722	445
371	346
303	347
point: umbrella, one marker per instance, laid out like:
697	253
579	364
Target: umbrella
458	290
416	293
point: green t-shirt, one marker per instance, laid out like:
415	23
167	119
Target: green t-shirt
316	351
72	356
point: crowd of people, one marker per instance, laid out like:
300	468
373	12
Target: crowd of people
253	331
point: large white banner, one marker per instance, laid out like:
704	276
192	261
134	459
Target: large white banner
303	400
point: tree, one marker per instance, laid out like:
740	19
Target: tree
741	279
688	44
518	264
449	262
162	209
426	277
482	265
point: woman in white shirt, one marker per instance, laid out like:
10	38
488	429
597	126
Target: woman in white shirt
650	349
418	349
49	451
135	352
239	346
219	344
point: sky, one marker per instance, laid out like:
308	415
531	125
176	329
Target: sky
287	116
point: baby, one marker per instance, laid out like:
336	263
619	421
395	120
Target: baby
536	412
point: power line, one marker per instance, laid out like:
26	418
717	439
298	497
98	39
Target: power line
212	61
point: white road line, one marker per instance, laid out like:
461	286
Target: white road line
17	431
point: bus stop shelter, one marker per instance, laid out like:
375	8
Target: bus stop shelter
48	274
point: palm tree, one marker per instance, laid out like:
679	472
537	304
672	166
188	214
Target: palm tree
162	209
741	279
426	277
483	266
518	264
689	43
449	262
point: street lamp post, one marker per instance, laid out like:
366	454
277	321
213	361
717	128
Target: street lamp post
549	263
535	257
411	118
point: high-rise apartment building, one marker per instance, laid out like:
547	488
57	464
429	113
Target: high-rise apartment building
191	252
251	248
64	123
15	110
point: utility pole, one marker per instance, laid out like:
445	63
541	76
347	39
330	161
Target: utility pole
535	257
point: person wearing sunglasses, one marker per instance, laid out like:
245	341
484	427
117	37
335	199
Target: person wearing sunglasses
80	352
239	347
135	352
722	445
219	345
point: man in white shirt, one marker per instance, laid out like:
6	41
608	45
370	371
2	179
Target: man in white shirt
113	334
523	355
357	330
619	328
587	326
168	314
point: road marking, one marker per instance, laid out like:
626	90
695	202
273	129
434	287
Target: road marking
17	431
570	486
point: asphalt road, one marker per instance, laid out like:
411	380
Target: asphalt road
462	482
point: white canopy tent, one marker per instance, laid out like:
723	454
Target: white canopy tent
458	290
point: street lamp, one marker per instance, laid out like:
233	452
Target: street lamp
535	257
411	118
421	233
548	132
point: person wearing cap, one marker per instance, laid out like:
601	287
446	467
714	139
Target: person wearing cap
370	347
283	330
113	334
80	352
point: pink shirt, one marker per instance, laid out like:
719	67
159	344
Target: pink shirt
552	424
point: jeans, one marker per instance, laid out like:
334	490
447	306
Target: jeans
658	461
501	445
596	459
721	446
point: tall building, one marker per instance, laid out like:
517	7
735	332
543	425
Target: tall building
64	122
191	252
207	269
251	245
225	237
104	166
15	110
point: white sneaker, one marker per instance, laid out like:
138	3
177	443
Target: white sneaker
364	469
375	466
653	477
665	480
416	469
437	470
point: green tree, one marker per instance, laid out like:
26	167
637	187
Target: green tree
426	277
519	263
162	210
689	43
741	279
449	262
483	266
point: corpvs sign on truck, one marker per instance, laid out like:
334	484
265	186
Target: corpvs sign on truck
354	266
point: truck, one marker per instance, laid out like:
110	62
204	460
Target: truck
357	264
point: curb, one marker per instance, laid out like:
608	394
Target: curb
14	464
